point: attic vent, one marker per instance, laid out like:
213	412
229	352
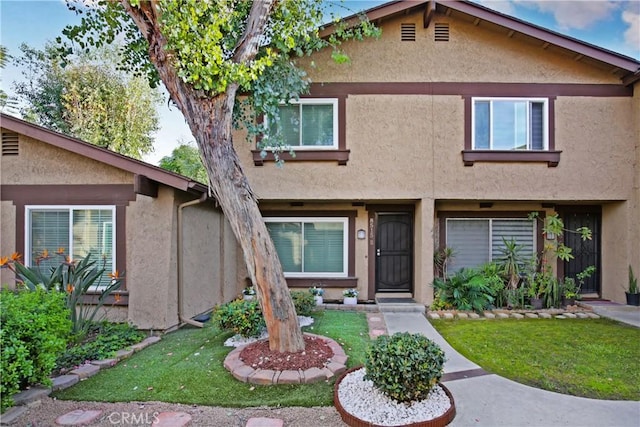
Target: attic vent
441	33
9	144
408	32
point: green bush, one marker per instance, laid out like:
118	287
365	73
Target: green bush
465	290
74	279
303	302
34	327
243	317
404	366
106	339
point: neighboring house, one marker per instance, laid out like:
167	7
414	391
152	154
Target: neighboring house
158	228
448	131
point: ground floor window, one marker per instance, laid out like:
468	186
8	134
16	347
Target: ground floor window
74	230
311	247
476	241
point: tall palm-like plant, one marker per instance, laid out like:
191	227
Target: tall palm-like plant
511	261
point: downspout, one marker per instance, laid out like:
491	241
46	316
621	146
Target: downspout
182	319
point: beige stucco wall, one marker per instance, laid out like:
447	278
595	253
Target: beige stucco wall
40	163
473	54
7	238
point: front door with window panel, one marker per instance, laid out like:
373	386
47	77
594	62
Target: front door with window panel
585	252
394	252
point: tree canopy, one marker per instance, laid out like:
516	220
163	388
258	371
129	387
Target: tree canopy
185	160
89	98
207	53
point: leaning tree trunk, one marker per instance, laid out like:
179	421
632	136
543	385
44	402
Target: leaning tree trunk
210	121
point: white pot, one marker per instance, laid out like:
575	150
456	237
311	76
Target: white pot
318	299
247	297
350	300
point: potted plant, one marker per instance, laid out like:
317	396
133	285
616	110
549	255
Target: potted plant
570	291
350	296
248	293
633	295
317	294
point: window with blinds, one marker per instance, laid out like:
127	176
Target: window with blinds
308	124
310	247
510	124
476	241
76	231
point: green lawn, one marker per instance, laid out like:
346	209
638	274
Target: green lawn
591	358
187	367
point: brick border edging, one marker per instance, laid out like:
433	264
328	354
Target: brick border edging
27	397
247	374
528	314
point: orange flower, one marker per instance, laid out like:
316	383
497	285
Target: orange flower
4	261
60	250
117	297
69	260
115	275
45	254
15	256
70	288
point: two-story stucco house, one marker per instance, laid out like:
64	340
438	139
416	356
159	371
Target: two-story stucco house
448	131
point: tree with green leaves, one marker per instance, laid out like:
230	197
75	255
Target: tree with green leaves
7	103
89	98
206	53
185	160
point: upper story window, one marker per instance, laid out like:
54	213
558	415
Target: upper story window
309	124
510	124
74	231
509	130
313	128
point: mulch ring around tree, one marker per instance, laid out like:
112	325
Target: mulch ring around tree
322	359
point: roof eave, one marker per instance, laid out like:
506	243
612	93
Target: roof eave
136	167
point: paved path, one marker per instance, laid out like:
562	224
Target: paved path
489	400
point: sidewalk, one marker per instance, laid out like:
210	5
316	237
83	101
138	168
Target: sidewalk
484	399
622	313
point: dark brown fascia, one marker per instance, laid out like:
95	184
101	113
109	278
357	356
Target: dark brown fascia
100	154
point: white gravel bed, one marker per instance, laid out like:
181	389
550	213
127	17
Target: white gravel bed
238	340
363	400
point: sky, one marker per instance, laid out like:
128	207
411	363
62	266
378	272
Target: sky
611	24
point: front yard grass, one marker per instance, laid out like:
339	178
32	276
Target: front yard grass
187	367
591	358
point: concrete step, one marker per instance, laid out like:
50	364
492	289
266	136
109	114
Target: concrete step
394	305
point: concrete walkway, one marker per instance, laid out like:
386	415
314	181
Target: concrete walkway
489	400
628	314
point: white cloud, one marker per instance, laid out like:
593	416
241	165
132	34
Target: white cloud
575	14
504	6
632	34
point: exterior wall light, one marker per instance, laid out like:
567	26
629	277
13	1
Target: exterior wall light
361	234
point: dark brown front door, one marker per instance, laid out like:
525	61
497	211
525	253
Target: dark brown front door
394	252
585	252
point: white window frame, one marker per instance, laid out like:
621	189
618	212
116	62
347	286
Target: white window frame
345	243
70	208
314	101
529	101
491	219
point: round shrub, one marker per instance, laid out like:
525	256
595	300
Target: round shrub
34	328
303	302
404	366
243	317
